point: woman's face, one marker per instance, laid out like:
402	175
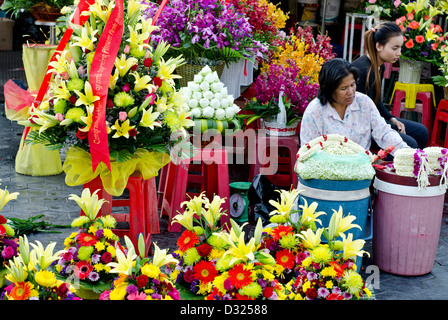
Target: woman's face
345	92
391	51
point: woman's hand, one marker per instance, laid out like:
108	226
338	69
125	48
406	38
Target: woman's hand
400	126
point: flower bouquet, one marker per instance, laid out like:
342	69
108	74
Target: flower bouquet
31	275
8	244
280	237
199	246
384	9
247	272
89	250
423	38
328	271
210	105
132	122
138	277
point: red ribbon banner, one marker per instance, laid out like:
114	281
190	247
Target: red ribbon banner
100	71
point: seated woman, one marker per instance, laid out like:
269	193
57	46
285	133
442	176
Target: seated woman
340	109
383	44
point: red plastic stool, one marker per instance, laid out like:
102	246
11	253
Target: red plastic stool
284	175
213	179
143	214
425	107
441	117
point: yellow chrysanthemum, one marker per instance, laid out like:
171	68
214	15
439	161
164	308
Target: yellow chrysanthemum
150	270
352	281
45	278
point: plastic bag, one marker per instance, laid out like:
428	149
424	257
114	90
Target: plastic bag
260	192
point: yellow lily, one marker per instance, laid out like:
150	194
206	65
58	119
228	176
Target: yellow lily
124	64
185	219
339	224
123	129
97	9
59	89
88	120
195	204
45	120
24	249
87	99
5	197
160	258
310	239
124	262
214	212
136	39
113	79
87	38
60	64
44	257
89	203
17	270
309	214
166	69
149	119
287	200
146	26
352	248
134	9
239	250
142	82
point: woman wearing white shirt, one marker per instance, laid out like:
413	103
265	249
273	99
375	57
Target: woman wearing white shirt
340	109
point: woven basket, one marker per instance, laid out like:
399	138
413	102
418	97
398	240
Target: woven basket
275	129
187	71
231	77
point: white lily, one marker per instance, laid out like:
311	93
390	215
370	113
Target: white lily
89	203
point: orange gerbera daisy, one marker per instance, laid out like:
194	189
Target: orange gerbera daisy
21	291
205	271
240	276
281	231
285	258
338	268
87	239
187	240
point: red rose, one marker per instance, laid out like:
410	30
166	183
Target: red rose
189	276
82	135
142	281
147	62
110	103
62	289
106	257
311	293
73	99
157	81
132	132
204	249
134	67
2	219
267	292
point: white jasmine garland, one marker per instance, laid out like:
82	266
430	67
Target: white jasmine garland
208	94
193	103
195	113
198	78
224	92
204	86
193	86
225	103
217	87
204	102
215	103
208	112
218	96
206	70
220	114
197	95
211	78
230	113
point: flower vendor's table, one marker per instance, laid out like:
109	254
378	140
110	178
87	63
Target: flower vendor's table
406	223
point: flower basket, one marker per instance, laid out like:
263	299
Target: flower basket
188	70
274	128
231	77
44	12
410	71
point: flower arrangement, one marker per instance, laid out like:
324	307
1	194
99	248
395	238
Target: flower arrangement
297	92
142	106
207	98
422	37
280	237
89	250
206	31
138	277
247	272
328	270
319	45
199	246
31	276
384	9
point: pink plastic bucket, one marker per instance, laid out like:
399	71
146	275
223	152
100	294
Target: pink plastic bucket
406	224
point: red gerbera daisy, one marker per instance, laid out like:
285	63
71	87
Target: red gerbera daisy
285	258
187	240
87	239
281	231
239	276
83	269
205	271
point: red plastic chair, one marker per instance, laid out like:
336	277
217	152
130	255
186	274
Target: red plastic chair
437	140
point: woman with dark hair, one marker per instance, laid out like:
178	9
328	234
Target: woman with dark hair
383	44
340	109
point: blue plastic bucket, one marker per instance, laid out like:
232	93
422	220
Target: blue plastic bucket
352	196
